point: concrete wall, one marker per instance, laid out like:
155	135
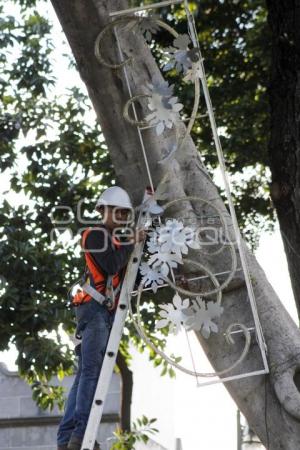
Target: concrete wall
151	445
24	426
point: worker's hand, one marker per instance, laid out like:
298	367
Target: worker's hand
138	236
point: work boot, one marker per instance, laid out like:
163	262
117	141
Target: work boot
75	444
62	447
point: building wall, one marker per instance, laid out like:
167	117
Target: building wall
24	426
151	445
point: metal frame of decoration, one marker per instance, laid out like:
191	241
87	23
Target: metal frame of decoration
146	123
197	314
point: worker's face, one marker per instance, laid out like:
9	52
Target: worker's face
114	217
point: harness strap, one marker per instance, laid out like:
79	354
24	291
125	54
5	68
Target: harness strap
109	290
94	294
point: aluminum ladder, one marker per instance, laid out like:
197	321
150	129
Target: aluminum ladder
115	336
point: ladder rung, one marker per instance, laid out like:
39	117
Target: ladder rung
145	7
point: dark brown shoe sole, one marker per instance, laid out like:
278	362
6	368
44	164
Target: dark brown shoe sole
96	447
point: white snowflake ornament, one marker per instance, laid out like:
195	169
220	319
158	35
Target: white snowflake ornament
151	277
147	25
176	238
161	87
179	55
164	261
172	315
153	245
194	73
201	320
163	105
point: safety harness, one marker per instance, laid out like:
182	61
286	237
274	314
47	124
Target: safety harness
94	283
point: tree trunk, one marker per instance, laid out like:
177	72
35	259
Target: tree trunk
270	403
127	386
284	148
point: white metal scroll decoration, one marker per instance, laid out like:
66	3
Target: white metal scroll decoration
171	241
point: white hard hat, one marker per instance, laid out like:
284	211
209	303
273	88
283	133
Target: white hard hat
114	196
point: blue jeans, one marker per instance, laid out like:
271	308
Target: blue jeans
94	325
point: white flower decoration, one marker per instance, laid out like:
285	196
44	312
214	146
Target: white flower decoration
153	245
201	320
163	262
146	25
161	87
176	238
164	107
151	277
173	237
166	245
179	54
172	315
194	73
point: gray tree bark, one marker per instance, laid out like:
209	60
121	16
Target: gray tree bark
270	403
284	146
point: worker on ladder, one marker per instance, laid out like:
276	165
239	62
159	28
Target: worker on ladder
106	259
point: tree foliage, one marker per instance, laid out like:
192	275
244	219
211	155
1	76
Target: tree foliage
141	429
52	158
235	43
55	158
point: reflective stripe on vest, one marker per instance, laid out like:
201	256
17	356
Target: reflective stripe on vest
96	279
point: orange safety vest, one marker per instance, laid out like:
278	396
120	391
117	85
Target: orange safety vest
94	275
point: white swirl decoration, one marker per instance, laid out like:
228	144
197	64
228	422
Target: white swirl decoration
167	249
162	104
174	317
170	243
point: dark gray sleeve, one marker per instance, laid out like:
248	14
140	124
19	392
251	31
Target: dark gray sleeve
109	260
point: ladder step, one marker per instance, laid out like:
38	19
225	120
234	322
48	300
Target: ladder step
145	7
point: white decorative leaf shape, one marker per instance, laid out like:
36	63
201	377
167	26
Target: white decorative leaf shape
214	309
201	319
179	55
151	277
177	107
161	323
194	72
182	41
172	314
163	105
177	301
173	237
163	313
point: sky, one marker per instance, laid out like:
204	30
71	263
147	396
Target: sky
203	417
